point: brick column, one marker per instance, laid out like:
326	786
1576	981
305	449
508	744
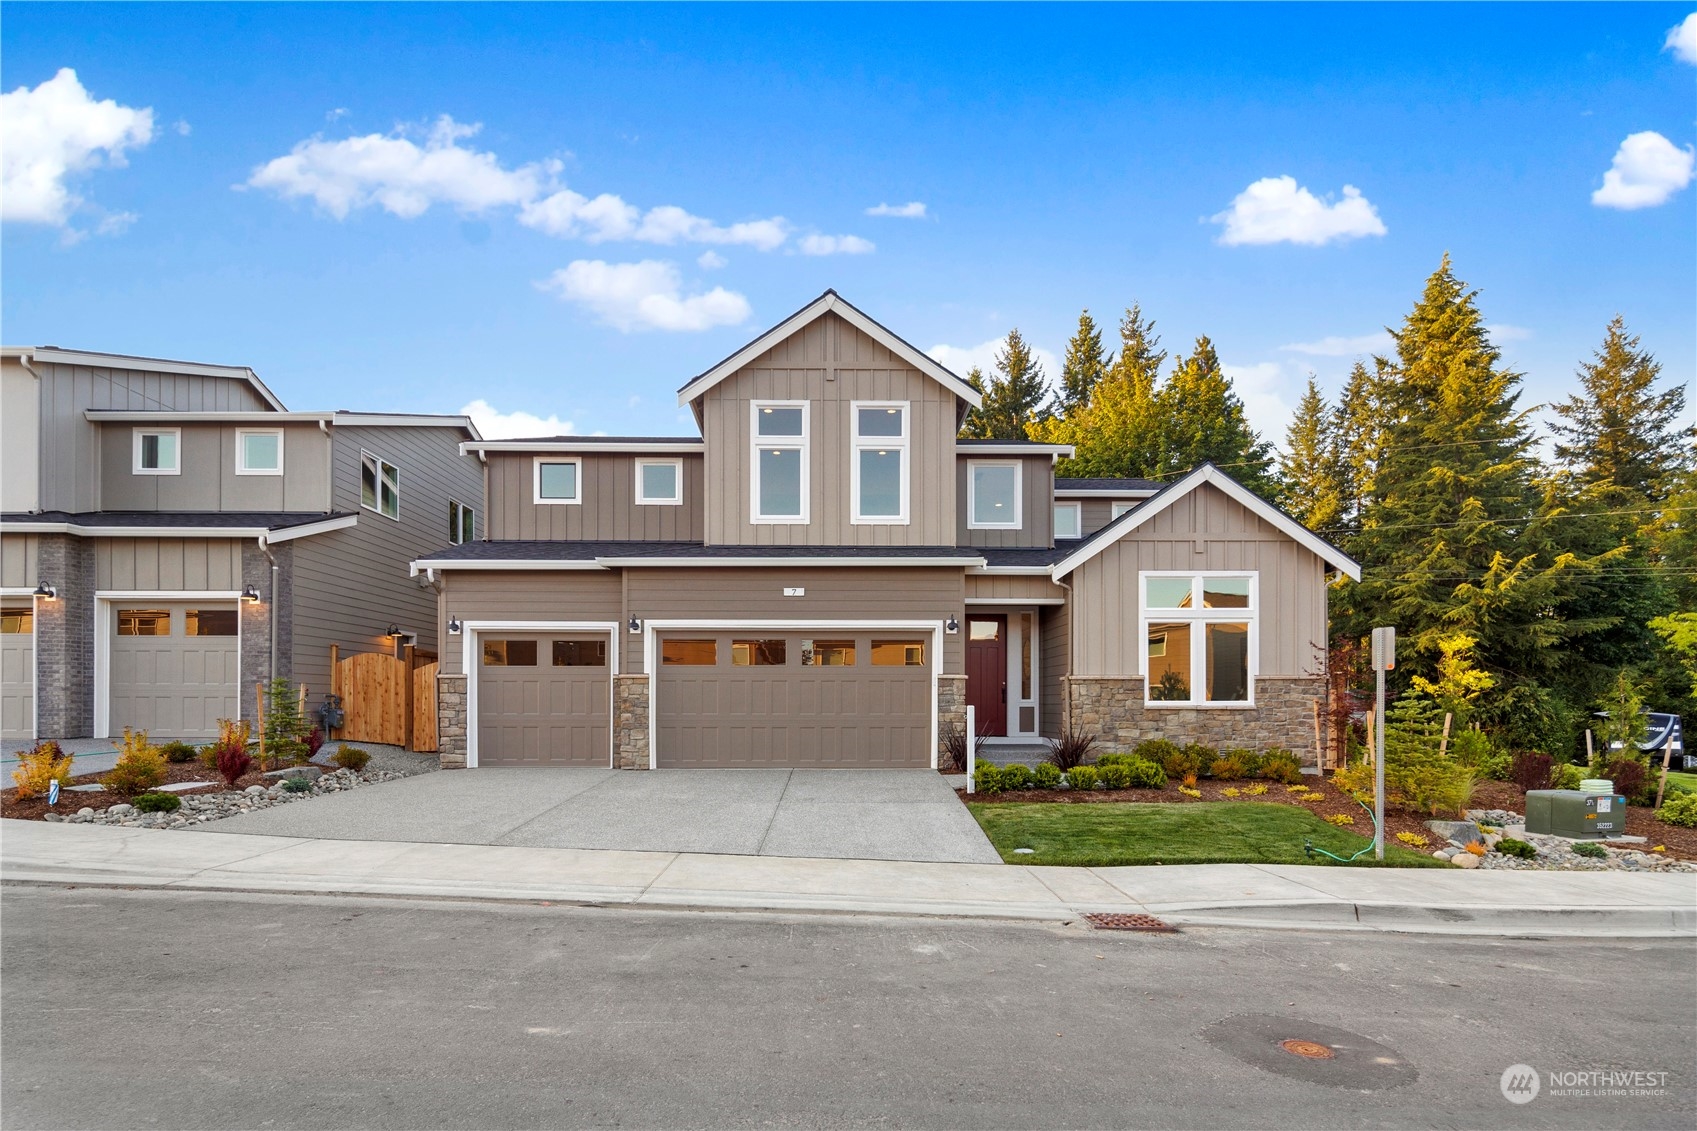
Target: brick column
630	721
64	638
451	721
256	622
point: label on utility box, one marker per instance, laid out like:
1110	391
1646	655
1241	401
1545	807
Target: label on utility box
1605	804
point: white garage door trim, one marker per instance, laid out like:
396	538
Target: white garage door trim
105	627
35	651
651	643
469	652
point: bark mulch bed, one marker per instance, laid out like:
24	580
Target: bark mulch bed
35	808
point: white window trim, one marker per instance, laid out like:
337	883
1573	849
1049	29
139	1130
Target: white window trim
135	451
241	451
381	464
677	498
536	481
902	444
1077	522
454	538
801	443
1118	508
972	494
1199	616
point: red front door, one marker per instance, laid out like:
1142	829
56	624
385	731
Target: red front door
987	672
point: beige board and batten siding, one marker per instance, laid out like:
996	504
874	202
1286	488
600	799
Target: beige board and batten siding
71	445
208	480
168	564
1036	504
829	364
1012	588
20	560
350	585
1204	530
608	512
20	438
560	596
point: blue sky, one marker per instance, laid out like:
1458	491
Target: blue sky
276	186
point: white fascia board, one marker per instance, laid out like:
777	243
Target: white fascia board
831	302
157	365
586	446
1012	571
404	420
308	529
1056	450
788	563
133	531
157	416
442	564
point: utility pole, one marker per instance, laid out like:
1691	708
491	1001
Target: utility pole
1384	659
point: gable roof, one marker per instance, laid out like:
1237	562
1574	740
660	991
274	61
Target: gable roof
97	360
832	303
1178	489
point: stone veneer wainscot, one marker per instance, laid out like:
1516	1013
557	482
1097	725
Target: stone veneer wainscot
1113	710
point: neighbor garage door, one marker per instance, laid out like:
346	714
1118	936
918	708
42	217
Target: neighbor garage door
17	669
173	667
544	699
766	698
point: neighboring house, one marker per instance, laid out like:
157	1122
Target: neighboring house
171	536
827	576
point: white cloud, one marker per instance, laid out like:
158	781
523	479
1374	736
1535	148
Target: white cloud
498	425
182	127
1682	40
607	217
710	261
1343	347
1504	332
836	245
912	210
1262	388
338	112
1278	210
54	132
643	296
1647	170
961	359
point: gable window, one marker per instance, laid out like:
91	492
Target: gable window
259	452
1118	509
659	482
559	481
462	523
379	485
779	479
157	451
992	494
878	475
1200	633
1067	521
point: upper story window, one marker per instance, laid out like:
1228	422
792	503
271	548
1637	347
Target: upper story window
878	475
158	451
659	482
559	480
778	485
1200	630
1067	520
992	494
379	485
1118	509
462	523
259	452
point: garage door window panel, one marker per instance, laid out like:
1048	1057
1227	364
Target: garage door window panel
18	620
689	653
759	653
144	622
827	653
580	653
898	653
509	653
210	622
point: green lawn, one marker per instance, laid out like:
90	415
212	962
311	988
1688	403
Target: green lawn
1227	832
1688	781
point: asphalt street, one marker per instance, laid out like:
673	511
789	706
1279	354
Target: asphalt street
172	1009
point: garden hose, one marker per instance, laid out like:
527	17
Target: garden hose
1308	845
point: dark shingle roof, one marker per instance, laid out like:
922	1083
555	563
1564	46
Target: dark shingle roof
166	520
1107	485
1029	555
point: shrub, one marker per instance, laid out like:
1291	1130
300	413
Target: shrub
1114	775
230	734
1235	765
1566	776
285	729
1231	791
1070	749
232	761
1474	848
1046	775
296	785
1508	846
1418	781
1414	840
1591	849
987	778
178	751
1281	766
140	766
954	750
1146	775
1532	770
1016	776
314	741
39	766
1190	792
1680	811
1255	790
1204	756
1188	781
1082	777
157	802
355	759
1340	820
1630	777
1167	755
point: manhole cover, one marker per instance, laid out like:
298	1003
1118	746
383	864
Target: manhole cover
1318	1054
1118	921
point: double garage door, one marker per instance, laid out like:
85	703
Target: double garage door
173	667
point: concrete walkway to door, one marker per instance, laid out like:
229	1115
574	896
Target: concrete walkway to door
833	814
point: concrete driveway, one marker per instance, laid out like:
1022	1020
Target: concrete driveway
837	814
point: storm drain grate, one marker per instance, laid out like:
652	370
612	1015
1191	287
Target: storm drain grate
1118	921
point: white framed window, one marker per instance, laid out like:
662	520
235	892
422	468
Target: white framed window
1068	521
379	485
1200	634
158	451
659	482
1118	509
462	523
879	466
779	475
993	494
259	451
559	480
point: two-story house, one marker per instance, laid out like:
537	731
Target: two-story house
172	536
828	576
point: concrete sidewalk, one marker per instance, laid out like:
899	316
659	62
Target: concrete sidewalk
1593	904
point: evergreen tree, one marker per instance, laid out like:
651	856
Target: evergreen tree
1013	396
1202	419
1312	469
1617	430
1083	368
1359	425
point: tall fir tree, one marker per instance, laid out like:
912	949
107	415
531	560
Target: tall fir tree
1084	366
1312	469
1116	433
1202	419
1013	396
1618	431
1359	424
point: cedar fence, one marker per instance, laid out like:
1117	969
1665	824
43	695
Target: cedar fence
386	698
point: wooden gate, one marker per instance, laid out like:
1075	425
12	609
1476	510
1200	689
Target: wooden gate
386	698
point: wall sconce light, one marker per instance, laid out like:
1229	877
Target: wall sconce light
951	625
250	593
394	630
47	592
635	626
454	626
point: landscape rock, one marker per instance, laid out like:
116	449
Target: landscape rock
121	810
1465	860
253	790
198	808
311	773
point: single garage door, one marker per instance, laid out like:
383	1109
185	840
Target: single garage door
544	699
173	667
17	670
822	699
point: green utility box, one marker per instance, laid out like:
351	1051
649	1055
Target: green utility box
1572	813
